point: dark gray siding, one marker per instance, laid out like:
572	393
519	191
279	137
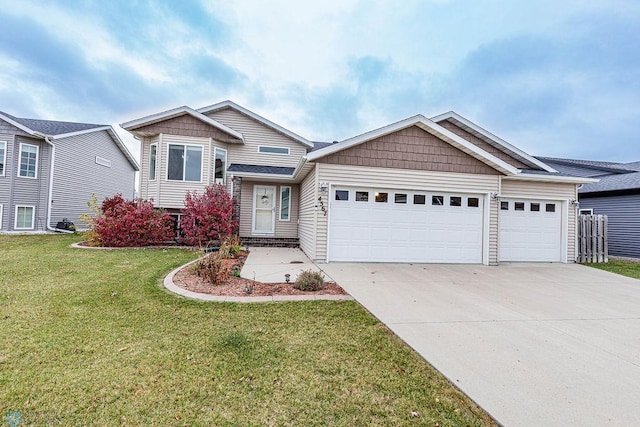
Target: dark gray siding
77	175
30	191
624	222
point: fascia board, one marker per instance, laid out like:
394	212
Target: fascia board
19	125
546	178
494	138
259	118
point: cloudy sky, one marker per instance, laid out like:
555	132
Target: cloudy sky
553	78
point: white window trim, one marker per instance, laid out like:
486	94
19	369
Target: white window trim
184	165
155	169
282	187
35	175
1	213
103	162
4	161
582	211
33	217
224	169
273	146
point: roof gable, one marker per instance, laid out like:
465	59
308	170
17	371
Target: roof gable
257	117
492	139
428	126
134	126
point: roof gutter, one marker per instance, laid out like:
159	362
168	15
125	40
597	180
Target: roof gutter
48	140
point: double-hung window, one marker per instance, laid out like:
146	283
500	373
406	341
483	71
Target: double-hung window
153	155
3	156
24	218
28	161
184	163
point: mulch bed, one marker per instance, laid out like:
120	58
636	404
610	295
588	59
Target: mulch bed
187	279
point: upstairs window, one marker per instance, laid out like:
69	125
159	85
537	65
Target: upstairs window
184	163
220	166
28	161
265	149
153	156
3	154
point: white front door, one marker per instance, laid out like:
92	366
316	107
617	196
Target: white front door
264	209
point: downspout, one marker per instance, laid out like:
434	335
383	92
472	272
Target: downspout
50	201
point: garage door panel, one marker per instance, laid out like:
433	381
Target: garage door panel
530	235
404	232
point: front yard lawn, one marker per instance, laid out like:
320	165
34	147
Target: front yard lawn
626	268
89	337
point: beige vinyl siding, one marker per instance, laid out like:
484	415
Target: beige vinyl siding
283	229
307	221
551	191
172	193
408	179
256	134
149	189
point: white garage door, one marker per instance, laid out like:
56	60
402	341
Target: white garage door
530	230
378	225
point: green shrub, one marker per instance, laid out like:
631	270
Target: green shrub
309	280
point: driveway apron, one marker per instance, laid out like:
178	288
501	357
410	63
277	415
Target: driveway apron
533	344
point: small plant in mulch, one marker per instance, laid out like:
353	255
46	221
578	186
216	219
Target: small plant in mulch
309	280
218	267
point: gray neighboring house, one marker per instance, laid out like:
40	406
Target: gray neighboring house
49	170
616	195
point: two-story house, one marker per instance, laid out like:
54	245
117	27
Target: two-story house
418	190
49	170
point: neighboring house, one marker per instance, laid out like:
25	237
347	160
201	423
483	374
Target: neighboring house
616	195
49	170
418	190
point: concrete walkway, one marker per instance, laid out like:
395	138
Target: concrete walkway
269	265
534	345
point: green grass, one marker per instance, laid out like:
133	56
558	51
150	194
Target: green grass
90	337
626	268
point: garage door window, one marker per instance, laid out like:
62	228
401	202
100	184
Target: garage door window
342	195
437	200
504	206
535	207
382	197
519	206
400	198
473	202
419	199
362	196
455	201
551	207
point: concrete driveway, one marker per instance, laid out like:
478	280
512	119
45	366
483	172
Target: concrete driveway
533	344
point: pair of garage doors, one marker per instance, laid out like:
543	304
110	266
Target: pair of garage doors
382	225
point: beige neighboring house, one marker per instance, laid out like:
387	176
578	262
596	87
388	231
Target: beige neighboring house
438	190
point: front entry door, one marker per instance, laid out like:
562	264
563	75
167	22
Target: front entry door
264	209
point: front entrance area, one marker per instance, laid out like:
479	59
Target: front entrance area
264	209
530	230
394	225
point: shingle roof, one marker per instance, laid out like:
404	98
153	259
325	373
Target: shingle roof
317	145
51	127
270	170
613	176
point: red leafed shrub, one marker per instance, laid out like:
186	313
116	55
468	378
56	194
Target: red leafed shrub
208	216
131	223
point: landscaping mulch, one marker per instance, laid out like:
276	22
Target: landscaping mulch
187	279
